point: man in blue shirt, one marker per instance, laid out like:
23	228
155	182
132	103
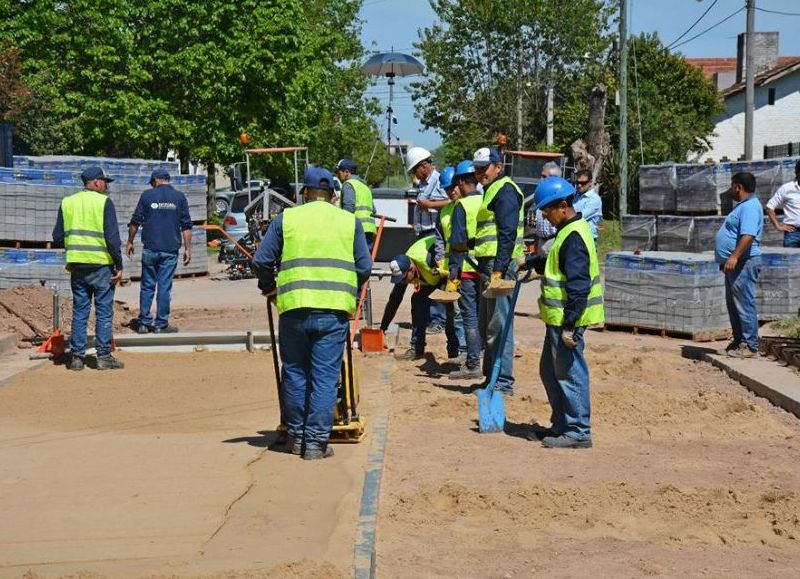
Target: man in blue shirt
738	251
163	213
587	202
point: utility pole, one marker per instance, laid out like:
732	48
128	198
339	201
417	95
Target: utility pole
519	96
749	94
623	107
550	138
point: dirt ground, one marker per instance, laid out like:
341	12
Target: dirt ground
689	475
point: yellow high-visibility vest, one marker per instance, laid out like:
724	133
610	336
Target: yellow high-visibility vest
84	235
486	235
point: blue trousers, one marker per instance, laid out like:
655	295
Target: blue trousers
469	303
565	376
493	314
90	283
312	344
740	297
420	317
158	269
791	239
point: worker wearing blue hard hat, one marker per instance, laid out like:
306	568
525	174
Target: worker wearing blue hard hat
498	241
462	276
571	300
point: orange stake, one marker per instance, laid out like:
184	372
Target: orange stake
377	243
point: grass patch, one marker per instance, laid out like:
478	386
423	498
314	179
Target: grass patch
789	328
609	238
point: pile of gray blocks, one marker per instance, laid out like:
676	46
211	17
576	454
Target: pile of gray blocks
638	232
132	268
768	174
677	292
34	266
778	289
703	188
657	187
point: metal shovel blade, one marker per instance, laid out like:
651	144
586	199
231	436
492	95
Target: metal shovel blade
445	297
491	410
497	292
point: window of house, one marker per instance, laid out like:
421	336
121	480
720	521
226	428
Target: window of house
771	96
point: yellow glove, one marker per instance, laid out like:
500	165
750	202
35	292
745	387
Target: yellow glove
496	276
452	285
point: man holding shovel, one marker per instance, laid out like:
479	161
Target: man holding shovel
571	300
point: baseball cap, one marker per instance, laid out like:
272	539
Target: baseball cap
399	267
92	173
315	178
347	165
486	156
158	174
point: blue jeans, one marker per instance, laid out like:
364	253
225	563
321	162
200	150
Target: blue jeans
88	283
421	317
158	269
453	310
492	316
791	239
468	303
740	296
565	376
312	343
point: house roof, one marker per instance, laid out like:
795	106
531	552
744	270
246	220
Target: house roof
712	65
767	76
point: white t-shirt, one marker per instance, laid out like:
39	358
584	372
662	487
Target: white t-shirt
787	197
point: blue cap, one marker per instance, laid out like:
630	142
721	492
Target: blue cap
552	189
159	174
446	178
464	168
316	177
92	173
347	165
486	156
399	266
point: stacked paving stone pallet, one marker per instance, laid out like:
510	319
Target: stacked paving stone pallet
657	186
674	292
638	232
199	264
34	266
778	291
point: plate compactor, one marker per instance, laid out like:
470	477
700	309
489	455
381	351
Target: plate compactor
348	424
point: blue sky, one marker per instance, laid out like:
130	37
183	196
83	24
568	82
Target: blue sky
388	23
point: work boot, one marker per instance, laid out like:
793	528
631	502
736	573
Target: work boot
435	328
165	330
565	441
109	362
743	351
465	373
76	363
734	345
411	354
142	329
294	445
316	453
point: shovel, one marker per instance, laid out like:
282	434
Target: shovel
276	366
491	406
500	290
444	297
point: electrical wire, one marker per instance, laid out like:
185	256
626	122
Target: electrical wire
777	12
710	28
695	23
638	101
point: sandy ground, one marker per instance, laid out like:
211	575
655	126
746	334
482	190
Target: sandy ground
690	474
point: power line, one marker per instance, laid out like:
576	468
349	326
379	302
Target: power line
778	12
710	28
695	23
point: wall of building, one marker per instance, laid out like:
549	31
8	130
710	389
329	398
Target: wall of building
773	124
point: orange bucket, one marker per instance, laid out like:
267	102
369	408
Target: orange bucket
372	340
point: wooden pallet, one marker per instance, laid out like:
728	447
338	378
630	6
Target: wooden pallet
14	244
705	336
676	213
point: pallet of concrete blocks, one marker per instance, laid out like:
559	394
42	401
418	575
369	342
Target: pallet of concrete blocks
638	232
686	233
132	268
703	188
28	211
787	169
778	289
657	187
672	292
33	266
76	163
768	174
771	237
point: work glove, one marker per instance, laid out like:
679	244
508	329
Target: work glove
522	262
452	285
497	277
441	271
568	338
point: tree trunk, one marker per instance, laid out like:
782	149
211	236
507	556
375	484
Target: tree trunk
591	151
183	155
211	191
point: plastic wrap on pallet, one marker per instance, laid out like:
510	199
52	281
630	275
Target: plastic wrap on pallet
690	234
657	187
778	288
703	188
771	237
680	292
768	174
638	232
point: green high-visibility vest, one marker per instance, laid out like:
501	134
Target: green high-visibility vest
84	236
486	235
363	205
471	204
418	254
317	267
554	282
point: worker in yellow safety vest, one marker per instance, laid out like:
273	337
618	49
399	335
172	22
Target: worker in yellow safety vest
87	226
321	257
571	300
498	240
356	197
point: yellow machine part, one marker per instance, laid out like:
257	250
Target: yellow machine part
346	427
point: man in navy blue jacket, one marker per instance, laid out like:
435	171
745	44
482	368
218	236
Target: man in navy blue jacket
163	214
